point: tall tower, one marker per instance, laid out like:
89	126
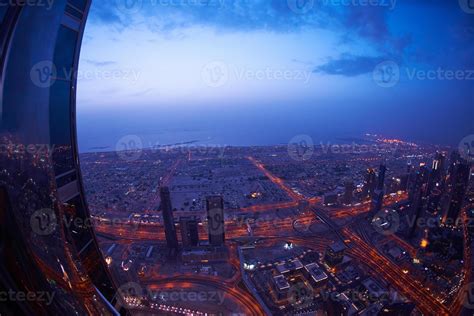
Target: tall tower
459	179
349	190
377	197
215	220
189	231
167	212
370	182
381	177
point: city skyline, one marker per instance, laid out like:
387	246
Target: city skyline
236	157
319	65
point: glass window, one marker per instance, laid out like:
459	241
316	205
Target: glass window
80	4
60	126
3	10
64	53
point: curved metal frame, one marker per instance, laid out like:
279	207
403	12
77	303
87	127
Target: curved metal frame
39	163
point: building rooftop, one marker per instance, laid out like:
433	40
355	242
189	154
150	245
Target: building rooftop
338	246
316	273
374	289
286	267
281	282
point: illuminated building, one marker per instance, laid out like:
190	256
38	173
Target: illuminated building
335	253
317	277
437	172
459	180
370	182
348	193
189	231
434	200
378	195
168	219
381	177
397	309
290	266
282	286
215	220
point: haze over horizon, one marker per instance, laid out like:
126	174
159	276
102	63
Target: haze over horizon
264	71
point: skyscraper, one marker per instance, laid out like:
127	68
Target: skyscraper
189	231
377	196
418	199
381	177
349	190
437	171
215	220
370	182
167	213
459	179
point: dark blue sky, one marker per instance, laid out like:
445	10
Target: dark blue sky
402	68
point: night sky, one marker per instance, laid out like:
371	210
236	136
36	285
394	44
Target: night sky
399	68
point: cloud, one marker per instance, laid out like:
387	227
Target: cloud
165	17
349	65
